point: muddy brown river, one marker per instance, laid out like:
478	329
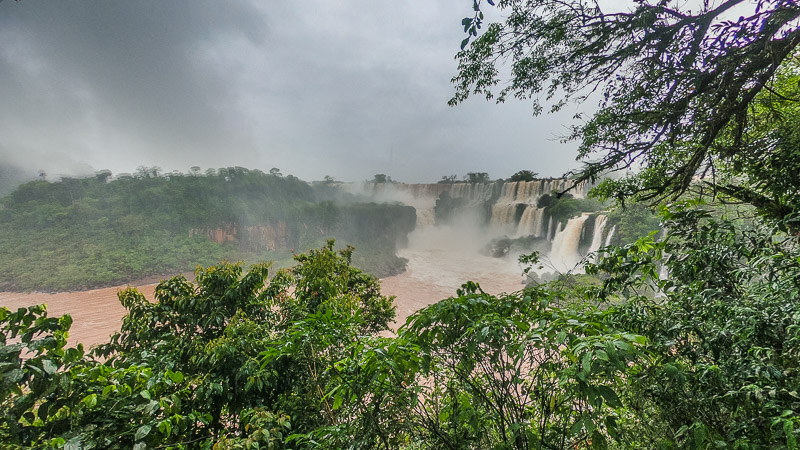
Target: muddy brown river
439	261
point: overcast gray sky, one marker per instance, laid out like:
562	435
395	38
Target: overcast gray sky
314	87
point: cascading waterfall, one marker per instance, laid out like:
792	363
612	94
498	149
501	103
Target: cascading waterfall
610	235
476	192
512	198
503	215
597	234
505	208
564	255
513	211
530	224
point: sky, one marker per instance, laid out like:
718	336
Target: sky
340	88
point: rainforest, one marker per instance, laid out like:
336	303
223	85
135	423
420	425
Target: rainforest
648	298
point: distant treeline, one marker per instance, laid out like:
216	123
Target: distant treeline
96	231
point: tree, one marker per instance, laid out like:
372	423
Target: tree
524	175
722	333
448	179
678	86
477	177
102	175
275	172
226	359
381	178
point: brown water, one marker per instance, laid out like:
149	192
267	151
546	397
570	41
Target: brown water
440	260
96	314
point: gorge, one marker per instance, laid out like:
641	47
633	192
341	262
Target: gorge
88	237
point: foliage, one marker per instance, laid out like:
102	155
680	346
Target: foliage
631	223
683	90
723	329
705	357
477	177
514	372
382	178
524	175
82	233
685	95
234	359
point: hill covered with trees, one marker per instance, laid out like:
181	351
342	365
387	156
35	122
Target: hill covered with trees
96	231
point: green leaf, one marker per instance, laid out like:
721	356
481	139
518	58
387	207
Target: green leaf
599	440
175	377
337	401
74	444
699	435
90	400
610	396
464	42
586	362
49	366
142	432
14	376
788	430
576	427
165	427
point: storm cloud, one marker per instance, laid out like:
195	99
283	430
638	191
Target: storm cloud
340	88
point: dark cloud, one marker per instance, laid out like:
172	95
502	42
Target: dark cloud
314	87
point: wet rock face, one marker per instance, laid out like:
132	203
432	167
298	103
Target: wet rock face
498	248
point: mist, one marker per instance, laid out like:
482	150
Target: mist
313	88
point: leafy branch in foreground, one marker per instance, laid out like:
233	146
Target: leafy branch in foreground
678	86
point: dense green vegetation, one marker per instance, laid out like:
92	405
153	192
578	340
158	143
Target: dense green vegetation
632	222
691	340
705	358
80	233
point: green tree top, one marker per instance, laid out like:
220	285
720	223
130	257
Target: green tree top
477	177
524	175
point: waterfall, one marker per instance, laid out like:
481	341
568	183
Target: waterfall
531	222
503	214
425	217
513	210
610	235
477	192
564	254
505	208
597	234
